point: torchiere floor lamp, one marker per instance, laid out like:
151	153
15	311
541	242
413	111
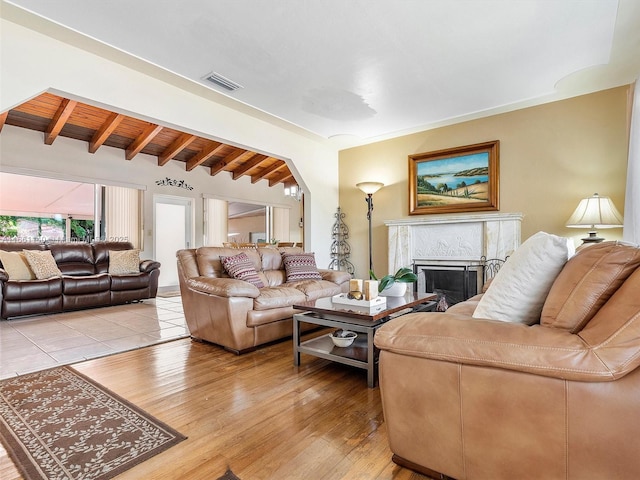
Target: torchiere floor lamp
369	188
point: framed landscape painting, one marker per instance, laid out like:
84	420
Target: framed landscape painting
461	179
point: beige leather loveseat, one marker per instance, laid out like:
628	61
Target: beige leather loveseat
474	398
237	314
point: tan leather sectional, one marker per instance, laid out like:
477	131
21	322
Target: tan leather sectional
473	398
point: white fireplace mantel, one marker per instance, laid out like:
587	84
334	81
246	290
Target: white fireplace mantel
459	238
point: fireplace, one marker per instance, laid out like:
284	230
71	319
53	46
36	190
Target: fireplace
448	252
457	282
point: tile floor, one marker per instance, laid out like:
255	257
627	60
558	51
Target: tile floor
35	343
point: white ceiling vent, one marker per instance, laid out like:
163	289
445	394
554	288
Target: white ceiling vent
221	81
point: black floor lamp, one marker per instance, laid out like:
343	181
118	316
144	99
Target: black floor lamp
369	188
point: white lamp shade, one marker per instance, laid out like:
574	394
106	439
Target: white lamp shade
595	212
370	187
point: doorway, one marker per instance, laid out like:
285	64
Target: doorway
173	231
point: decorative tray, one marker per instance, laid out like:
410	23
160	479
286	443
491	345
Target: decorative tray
366	306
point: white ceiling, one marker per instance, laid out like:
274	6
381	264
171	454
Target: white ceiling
371	69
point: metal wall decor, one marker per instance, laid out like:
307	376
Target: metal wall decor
170	182
340	248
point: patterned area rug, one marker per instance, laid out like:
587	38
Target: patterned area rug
59	424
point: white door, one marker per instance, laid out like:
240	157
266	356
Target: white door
172	219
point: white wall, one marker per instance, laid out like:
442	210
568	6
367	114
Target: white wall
32	63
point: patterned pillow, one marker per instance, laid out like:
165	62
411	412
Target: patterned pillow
240	267
16	265
300	266
42	264
124	262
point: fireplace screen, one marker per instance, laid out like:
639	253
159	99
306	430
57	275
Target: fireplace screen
456	282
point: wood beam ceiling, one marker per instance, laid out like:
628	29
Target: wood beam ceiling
57	116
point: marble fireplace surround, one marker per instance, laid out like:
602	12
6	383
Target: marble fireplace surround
452	239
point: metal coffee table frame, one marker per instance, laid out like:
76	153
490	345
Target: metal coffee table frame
363	353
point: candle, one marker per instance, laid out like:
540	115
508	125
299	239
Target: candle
370	289
355	285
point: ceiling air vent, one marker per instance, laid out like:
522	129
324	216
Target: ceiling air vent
221	81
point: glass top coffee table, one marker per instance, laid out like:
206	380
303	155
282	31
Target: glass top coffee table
362	352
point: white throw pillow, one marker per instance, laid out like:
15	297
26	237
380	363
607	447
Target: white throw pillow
519	289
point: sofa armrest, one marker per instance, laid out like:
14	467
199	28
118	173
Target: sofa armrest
336	276
223	287
4	276
470	341
149	265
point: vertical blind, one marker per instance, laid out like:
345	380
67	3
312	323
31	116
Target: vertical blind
122	214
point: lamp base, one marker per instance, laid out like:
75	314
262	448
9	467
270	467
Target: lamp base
592	238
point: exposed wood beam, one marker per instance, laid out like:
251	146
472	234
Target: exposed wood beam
232	157
282	177
105	130
204	155
3	119
176	147
244	168
59	119
259	176
142	140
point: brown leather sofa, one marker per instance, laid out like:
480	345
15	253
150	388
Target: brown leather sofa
236	314
471	398
85	281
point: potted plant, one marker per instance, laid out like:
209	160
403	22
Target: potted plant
395	285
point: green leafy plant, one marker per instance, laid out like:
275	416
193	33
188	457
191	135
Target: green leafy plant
403	275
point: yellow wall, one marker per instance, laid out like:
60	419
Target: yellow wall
551	156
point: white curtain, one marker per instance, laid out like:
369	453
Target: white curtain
631	232
216	215
122	214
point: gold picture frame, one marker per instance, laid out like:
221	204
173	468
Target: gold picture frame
454	180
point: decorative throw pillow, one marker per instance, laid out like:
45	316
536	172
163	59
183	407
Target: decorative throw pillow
300	266
240	267
16	265
519	289
124	262
42	263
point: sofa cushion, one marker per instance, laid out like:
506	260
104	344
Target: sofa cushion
314	289
300	266
240	267
276	297
16	265
129	282
519	289
586	283
124	262
73	258
86	284
42	264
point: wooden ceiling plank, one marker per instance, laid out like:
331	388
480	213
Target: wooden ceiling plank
267	171
283	177
59	119
3	119
245	167
107	129
142	140
232	157
204	155
172	150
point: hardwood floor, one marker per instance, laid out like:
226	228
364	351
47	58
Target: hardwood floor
257	414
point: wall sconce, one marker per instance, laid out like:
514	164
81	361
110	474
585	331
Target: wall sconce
369	188
293	191
595	212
